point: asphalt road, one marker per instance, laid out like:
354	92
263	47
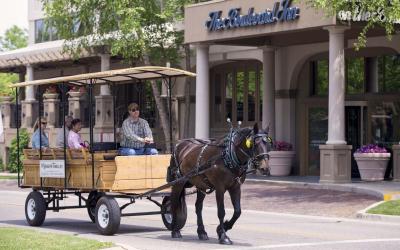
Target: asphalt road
254	229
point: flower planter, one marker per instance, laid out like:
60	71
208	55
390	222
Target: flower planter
280	162
372	166
50	95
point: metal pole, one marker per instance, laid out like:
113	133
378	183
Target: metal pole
115	115
91	126
170	112
40	130
17	116
63	102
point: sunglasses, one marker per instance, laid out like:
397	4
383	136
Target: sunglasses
134	110
44	123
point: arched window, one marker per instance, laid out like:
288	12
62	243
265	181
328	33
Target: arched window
236	93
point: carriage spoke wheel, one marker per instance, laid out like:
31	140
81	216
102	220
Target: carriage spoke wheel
35	208
166	214
108	215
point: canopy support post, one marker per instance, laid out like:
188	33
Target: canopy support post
18	154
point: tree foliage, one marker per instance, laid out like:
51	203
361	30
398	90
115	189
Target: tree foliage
386	13
23	143
14	38
133	29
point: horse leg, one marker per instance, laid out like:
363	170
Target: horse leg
176	194
223	238
201	232
235	193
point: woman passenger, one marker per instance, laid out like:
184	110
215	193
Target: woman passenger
74	139
37	139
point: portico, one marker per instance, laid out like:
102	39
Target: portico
283	36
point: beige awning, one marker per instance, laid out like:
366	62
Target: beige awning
112	76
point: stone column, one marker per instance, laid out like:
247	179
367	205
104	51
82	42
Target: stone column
75	106
396	162
51	111
105	65
336	155
104	102
268	96
202	129
29	105
6	111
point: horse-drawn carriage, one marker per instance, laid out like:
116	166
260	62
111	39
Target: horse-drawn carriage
97	175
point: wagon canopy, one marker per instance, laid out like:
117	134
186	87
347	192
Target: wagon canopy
112	76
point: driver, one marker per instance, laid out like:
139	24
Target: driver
136	136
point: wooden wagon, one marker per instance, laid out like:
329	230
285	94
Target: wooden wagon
97	176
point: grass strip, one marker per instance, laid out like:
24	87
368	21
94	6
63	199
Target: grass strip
18	238
386	208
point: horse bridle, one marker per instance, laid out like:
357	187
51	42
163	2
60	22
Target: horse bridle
230	157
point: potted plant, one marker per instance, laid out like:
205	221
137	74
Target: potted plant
76	91
51	92
372	162
6	93
281	159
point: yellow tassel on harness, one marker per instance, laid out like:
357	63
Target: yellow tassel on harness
248	143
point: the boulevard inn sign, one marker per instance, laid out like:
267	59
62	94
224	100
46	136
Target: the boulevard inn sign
281	11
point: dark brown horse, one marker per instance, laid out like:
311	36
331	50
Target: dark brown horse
220	166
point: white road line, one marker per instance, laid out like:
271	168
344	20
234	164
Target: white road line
315	244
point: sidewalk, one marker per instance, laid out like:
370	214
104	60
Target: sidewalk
385	190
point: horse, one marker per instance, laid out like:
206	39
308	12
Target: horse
216	165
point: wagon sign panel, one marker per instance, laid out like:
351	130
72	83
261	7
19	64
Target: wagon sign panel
52	169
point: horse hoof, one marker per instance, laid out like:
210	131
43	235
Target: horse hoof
203	236
225	241
176	234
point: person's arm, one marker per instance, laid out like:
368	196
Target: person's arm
147	131
129	134
35	141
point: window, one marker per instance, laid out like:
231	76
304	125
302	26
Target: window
320	73
355	75
43	33
389	73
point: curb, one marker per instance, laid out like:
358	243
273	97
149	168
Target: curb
119	246
362	214
334	187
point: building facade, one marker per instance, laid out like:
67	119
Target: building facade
278	63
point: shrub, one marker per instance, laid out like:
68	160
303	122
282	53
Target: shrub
23	143
371	148
282	146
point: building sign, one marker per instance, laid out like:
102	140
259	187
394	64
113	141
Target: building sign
361	15
281	11
52	169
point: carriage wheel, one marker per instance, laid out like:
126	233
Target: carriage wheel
167	216
108	215
35	208
91	202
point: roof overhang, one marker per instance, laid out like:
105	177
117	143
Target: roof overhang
137	74
34	54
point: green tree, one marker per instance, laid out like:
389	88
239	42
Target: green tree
387	14
14	38
142	32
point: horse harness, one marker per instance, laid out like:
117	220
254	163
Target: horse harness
228	155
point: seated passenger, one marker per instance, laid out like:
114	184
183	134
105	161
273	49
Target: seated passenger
74	139
60	133
36	139
136	135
